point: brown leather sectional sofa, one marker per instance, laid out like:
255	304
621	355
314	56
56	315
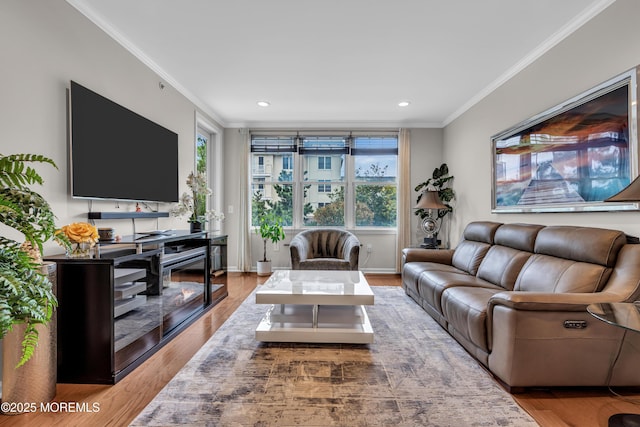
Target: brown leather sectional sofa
515	296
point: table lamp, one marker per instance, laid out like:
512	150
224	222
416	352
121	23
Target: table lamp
430	201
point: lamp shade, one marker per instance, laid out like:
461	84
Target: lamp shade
631	193
430	200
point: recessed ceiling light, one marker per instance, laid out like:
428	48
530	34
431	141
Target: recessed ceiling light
264	103
403	103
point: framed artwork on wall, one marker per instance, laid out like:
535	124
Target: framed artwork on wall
571	157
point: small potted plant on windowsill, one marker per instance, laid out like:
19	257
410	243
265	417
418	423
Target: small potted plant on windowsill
270	228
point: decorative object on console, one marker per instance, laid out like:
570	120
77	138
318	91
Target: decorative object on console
106	234
195	204
438	197
27	289
82	236
269	228
571	157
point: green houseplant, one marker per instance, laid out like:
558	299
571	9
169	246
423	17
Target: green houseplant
439	181
26	295
195	203
270	227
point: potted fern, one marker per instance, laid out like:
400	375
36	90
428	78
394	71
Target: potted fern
270	228
27	298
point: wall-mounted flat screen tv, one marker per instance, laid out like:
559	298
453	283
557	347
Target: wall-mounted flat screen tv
118	154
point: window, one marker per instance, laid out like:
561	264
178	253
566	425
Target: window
324	162
202	148
376	166
324	188
272	182
312	181
287	162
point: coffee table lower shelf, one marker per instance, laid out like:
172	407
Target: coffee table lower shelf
333	324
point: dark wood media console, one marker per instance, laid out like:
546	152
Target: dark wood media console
117	309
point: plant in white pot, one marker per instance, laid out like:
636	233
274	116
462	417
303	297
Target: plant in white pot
270	228
27	297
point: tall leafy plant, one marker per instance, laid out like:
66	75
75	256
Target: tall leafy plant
440	181
26	295
270	228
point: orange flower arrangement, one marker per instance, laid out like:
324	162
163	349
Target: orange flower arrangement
80	232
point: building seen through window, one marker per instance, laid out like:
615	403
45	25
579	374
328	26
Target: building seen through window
344	181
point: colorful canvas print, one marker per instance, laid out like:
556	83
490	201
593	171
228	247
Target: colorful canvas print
572	158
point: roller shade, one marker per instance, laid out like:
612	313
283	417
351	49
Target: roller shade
273	144
324	145
374	145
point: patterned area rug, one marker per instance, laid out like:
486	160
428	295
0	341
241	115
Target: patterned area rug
414	374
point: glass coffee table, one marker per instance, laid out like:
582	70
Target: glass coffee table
315	306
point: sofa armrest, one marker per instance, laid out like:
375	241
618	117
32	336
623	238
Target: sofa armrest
542	301
552	304
441	256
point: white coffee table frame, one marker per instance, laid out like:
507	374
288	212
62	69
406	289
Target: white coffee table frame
315	306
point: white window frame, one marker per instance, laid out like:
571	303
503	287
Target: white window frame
350	181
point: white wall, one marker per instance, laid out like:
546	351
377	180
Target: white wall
603	48
44	45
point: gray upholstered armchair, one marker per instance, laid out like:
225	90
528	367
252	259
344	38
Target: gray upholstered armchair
324	249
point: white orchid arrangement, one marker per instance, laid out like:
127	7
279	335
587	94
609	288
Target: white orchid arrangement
195	203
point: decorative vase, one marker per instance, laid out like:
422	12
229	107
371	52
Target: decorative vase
79	250
35	381
195	227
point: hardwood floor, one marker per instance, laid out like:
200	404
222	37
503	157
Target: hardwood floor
119	404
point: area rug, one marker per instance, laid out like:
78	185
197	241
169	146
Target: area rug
414	374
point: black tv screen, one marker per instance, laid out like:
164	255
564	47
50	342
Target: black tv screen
118	154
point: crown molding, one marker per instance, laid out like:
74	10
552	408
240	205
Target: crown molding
543	48
346	124
112	32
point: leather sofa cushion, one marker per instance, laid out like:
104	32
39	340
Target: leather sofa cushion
411	272
585	244
481	231
502	265
432	284
518	236
477	238
465	309
469	255
544	273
